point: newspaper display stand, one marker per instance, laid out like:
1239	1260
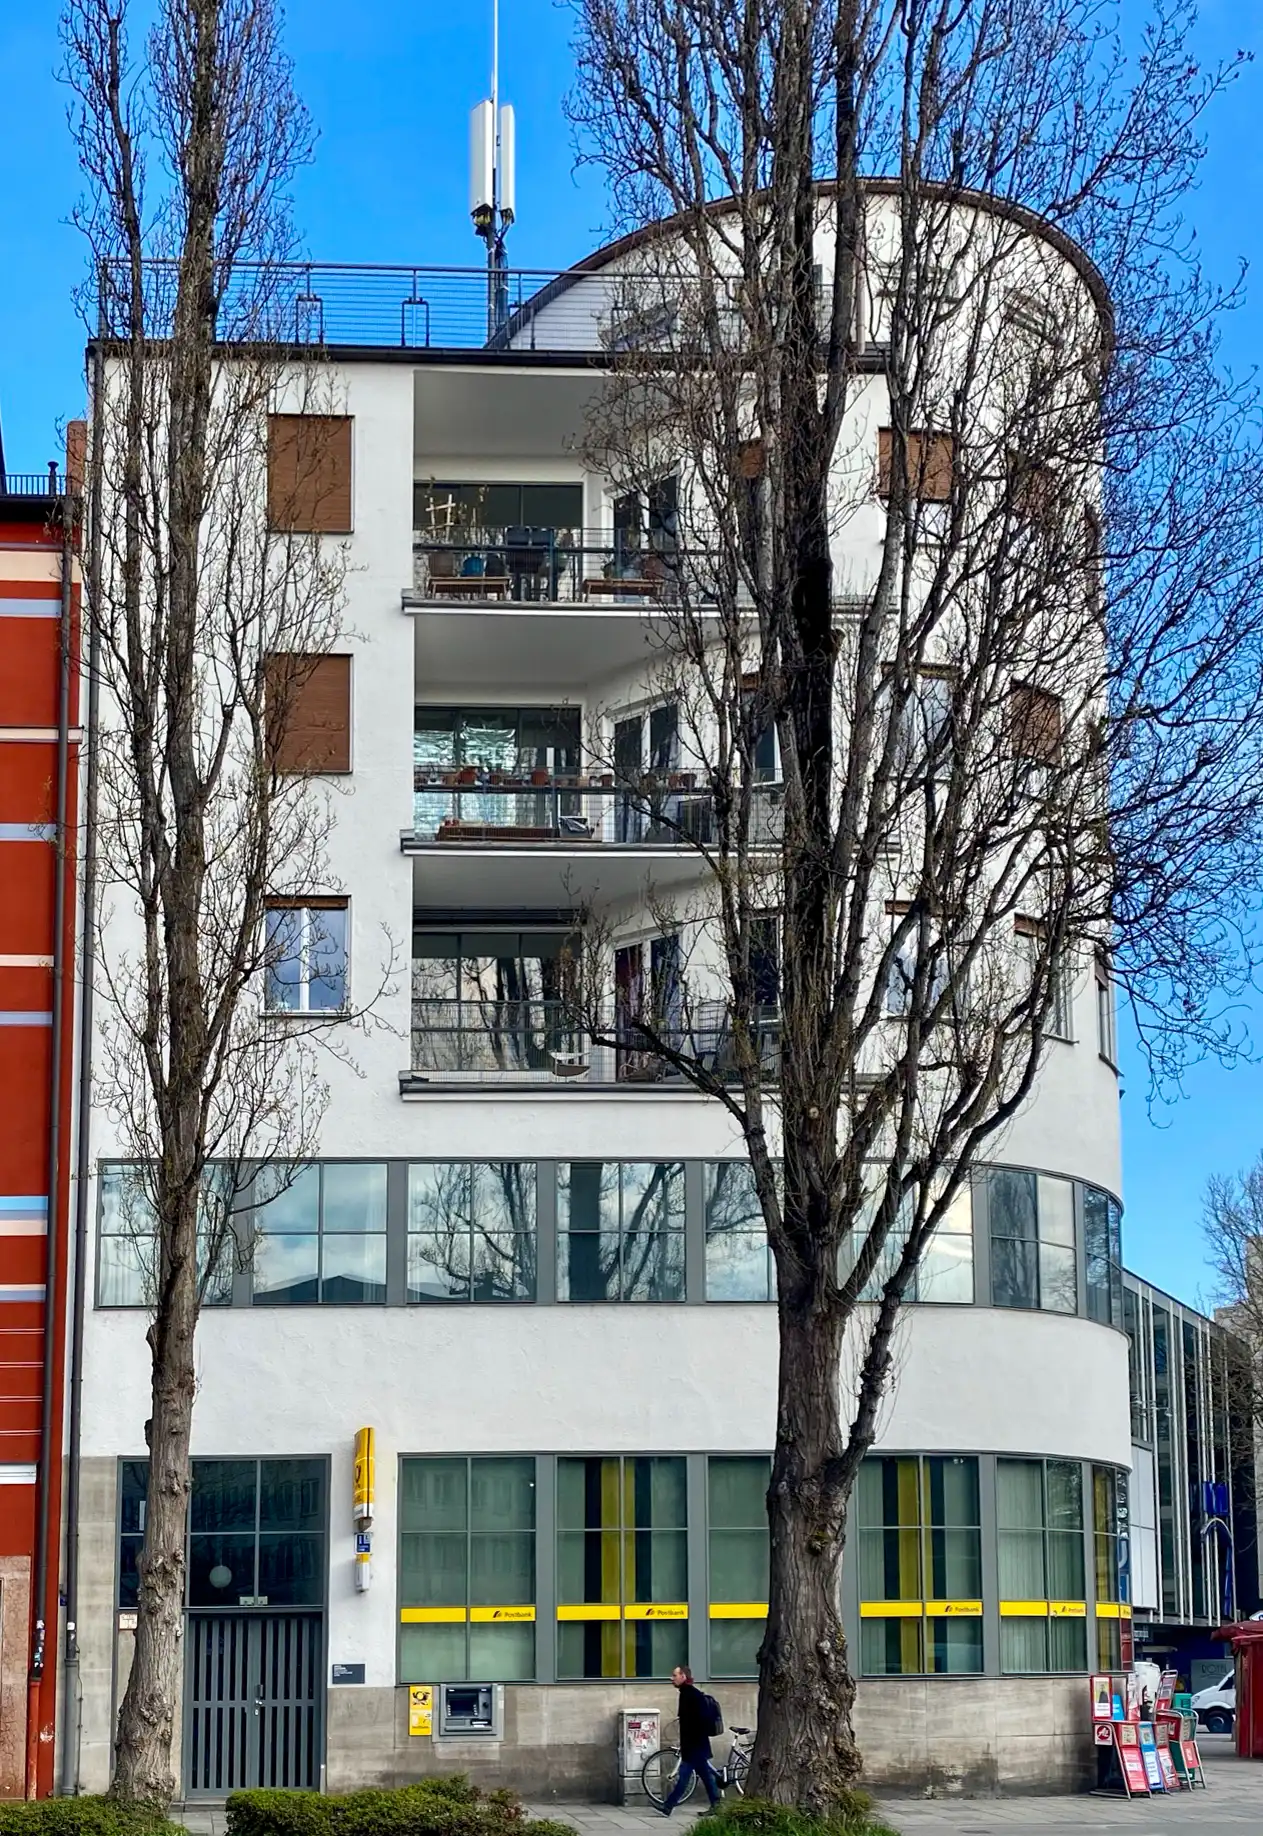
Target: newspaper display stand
1177	1724
1116	1734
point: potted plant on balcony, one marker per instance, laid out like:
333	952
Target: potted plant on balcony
540	774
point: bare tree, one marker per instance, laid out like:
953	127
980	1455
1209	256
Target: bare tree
1232	1230
954	530
211	601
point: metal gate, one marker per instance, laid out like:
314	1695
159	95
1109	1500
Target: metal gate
252	1708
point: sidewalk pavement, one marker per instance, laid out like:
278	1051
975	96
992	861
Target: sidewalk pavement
1231	1805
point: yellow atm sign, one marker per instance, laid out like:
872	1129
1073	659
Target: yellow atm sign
364	1477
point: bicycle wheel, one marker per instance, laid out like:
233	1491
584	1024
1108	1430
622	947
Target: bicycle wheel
659	1773
739	1769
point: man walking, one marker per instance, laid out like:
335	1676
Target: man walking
697	1724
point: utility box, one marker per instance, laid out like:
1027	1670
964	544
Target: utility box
470	1711
639	1735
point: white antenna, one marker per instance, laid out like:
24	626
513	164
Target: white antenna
493	182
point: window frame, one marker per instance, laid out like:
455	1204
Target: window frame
471	1614
305	905
321	1234
1106	1011
927	1608
470	1170
1073	1609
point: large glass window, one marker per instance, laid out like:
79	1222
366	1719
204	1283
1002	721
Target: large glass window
1109	1512
489	1001
622	1567
739	1264
920	1555
737	1535
1039	1522
1033	1261
444	513
1103	1254
471	1230
256	1533
467	1569
945	1272
477	765
320	1234
1134	1322
127	1242
620	1228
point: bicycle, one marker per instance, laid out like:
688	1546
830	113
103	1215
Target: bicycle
661	1769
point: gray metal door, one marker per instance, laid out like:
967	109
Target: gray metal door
252	1712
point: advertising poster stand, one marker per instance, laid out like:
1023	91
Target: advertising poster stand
1120	1765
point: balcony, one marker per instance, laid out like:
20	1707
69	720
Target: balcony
538	1043
552	839
574	568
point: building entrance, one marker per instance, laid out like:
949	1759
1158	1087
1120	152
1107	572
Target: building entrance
253	1702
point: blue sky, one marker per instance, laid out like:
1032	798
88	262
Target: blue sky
390	84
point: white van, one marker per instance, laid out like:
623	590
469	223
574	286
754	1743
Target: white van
1216	1707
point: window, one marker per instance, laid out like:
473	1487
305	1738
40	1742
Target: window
305	956
920	1557
739	1265
308	705
1039	1527
463	512
1135	1325
471	1230
929	459
1109	1547
1033	1262
320	1234
622	1567
309	473
467	1570
127	1247
620	1228
1107	1040
256	1533
1034	724
925	727
901	974
1031	934
737	1550
1103	1255
477	765
490	1001
945	1272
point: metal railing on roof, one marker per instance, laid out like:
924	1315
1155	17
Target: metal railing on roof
424	308
48	483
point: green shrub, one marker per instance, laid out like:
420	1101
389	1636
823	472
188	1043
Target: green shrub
756	1817
431	1807
82	1817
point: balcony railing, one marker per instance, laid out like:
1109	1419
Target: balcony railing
540	1041
665	810
436	308
48	483
560	566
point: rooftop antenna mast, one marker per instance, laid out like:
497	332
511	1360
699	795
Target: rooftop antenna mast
492	183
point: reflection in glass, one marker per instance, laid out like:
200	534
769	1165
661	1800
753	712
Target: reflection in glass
621	1231
471	1231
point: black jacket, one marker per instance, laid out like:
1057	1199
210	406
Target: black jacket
694	1721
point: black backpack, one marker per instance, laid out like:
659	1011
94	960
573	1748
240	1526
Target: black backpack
714	1714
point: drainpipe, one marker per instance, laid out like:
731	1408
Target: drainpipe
50	1424
71	1719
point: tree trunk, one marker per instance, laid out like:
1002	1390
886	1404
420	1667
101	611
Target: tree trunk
805	1753
142	1771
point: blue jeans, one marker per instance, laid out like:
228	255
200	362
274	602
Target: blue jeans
691	1763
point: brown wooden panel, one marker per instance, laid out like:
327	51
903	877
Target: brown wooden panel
309	473
929	464
1035	723
309	712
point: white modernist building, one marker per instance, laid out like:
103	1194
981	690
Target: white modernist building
534	1270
